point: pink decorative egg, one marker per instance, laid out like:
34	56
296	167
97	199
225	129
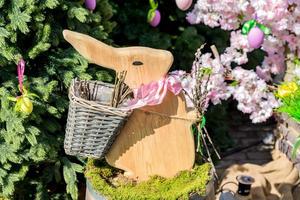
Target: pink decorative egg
156	19
90	4
256	37
184	4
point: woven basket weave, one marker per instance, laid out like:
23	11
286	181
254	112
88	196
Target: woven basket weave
92	125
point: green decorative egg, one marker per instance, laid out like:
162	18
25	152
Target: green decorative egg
24	105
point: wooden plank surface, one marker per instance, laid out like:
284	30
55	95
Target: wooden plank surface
153	144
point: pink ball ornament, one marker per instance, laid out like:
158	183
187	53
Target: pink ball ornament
184	4
255	37
156	19
90	4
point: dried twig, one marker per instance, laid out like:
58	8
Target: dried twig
200	97
203	136
211	142
121	90
215	52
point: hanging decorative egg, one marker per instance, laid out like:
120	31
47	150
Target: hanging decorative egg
90	4
23	102
184	4
24	105
156	17
153	16
256	37
255	33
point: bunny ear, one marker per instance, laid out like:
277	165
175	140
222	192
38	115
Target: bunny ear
142	64
93	50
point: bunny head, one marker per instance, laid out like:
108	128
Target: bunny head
142	64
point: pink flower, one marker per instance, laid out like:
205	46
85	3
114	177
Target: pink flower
274	62
191	18
263	73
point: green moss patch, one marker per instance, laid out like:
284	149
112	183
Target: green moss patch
110	183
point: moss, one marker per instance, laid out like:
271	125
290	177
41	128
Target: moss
103	179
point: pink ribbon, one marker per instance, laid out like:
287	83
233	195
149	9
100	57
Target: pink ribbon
21	70
153	93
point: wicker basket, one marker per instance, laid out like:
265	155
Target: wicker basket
93	124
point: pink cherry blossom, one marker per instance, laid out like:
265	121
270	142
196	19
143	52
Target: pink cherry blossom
281	16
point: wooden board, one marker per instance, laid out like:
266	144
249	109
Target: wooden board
156	140
153	144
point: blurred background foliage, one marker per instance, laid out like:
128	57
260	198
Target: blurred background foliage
174	33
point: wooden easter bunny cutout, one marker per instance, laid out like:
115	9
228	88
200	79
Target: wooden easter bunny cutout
156	140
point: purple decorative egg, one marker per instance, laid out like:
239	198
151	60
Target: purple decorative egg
156	19
256	37
90	4
184	4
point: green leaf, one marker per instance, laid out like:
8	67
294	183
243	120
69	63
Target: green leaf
3	32
153	4
51	3
41	192
234	83
32	95
2	3
8	154
38	152
79	13
31	139
248	26
203	122
70	178
296	148
264	29
206	70
77	168
151	15
19	20
296	61
12	98
43	42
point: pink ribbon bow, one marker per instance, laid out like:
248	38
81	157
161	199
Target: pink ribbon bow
21	70
153	93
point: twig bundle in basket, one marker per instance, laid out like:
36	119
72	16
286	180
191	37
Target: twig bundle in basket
94	118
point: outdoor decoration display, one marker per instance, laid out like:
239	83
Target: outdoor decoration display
154	16
162	120
142	124
156	140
